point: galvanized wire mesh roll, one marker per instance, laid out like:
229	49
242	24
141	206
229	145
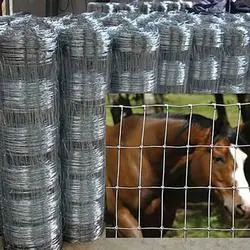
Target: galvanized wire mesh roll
247	78
135	59
83	154
36	94
27	46
20	169
86	58
205	67
115	19
235	62
183	17
31	206
85	51
30	135
153	17
175	47
84	121
232	18
84	187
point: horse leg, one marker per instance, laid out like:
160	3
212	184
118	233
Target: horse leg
152	218
169	216
128	221
125	218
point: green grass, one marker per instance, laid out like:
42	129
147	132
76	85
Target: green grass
205	110
197	214
197	217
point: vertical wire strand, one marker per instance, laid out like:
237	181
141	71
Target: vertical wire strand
187	169
30	135
140	166
118	172
163	170
210	174
234	168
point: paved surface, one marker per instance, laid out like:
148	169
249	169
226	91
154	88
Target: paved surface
161	244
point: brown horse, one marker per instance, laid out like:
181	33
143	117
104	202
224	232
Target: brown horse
146	155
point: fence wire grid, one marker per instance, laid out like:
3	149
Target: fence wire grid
211	219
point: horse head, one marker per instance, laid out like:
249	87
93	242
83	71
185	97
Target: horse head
244	141
217	162
220	166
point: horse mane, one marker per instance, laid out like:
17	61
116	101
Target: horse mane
200	120
220	128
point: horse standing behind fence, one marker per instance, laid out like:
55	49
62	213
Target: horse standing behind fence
187	150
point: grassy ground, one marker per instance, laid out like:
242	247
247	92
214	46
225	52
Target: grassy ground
173	99
197	223
197	213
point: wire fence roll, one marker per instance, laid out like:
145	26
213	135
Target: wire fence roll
235	61
175	49
134	58
85	52
124	52
206	57
31	193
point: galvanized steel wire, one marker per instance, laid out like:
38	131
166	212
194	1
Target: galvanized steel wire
31	194
99	53
175	49
205	68
235	62
135	57
86	56
209	66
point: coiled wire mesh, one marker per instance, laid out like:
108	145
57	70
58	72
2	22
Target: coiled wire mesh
235	61
86	55
206	57
115	19
175	47
134	58
30	135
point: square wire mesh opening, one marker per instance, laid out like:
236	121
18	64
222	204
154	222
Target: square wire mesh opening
177	170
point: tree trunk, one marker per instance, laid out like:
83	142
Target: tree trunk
245	109
221	110
119	99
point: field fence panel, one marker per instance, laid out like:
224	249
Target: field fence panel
211	231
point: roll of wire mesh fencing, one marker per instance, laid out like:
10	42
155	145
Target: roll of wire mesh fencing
235	62
134	58
86	55
4	21
175	47
206	56
113	20
246	23
30	135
